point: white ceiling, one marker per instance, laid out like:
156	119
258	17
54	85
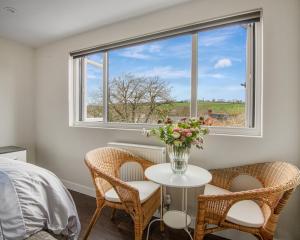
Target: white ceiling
37	22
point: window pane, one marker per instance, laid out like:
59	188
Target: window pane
150	81
222	75
93	87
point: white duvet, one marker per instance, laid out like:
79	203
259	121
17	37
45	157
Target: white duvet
31	199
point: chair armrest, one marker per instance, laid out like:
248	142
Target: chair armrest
223	177
220	204
243	195
128	195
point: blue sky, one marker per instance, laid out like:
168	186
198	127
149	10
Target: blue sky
221	64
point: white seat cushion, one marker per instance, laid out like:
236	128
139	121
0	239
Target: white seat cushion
214	190
246	213
145	188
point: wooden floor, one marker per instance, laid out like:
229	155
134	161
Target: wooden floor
121	228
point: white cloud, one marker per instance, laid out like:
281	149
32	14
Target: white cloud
93	76
154	48
234	88
166	72
142	52
228	92
212	75
223	89
182	50
217	37
213	40
222	63
137	52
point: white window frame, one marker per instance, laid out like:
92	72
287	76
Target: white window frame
83	90
254	54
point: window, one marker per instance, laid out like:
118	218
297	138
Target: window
222	58
207	70
151	81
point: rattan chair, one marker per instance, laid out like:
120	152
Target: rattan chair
278	180
104	165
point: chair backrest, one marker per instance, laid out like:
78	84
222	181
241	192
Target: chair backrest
280	175
108	160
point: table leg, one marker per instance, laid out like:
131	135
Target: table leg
153	221
161	207
188	232
184	204
161	213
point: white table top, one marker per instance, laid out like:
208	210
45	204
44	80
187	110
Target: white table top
193	177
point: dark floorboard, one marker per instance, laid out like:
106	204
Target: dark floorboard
121	228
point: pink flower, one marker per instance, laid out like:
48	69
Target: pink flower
176	129
189	134
186	131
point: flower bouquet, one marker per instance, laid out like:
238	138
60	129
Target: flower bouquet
179	138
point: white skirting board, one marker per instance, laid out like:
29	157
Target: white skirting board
90	191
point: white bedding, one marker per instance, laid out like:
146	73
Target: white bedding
31	199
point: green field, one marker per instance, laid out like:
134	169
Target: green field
234	112
222	107
228	108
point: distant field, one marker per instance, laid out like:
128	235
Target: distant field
222	107
203	106
234	111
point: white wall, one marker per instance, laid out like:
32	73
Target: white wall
17	92
62	149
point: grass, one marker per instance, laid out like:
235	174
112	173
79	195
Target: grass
221	107
229	108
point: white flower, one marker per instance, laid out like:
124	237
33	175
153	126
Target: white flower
176	135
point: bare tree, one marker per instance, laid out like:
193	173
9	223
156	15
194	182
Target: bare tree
94	106
158	93
135	99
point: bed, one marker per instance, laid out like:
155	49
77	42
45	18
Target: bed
33	201
43	235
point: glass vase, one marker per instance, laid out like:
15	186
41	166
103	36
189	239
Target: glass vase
179	158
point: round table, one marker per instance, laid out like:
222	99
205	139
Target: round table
193	177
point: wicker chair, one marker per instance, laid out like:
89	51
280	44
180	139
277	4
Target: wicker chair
104	165
218	205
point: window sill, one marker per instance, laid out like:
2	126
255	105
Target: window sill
220	131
